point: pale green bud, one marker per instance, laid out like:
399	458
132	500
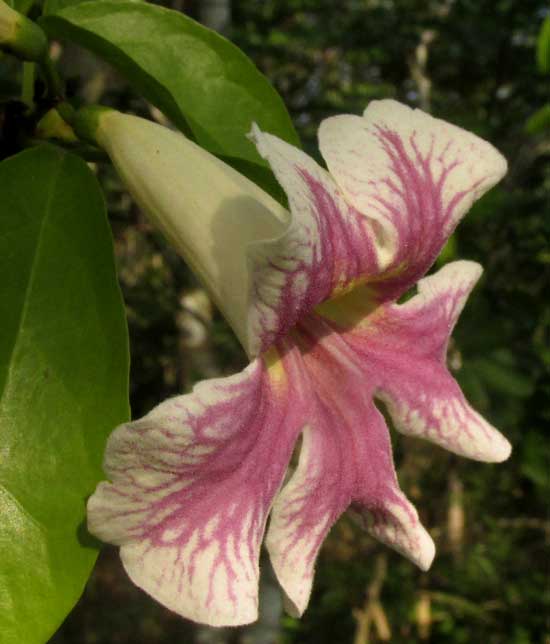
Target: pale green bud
20	36
208	211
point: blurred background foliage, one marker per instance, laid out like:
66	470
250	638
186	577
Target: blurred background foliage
484	65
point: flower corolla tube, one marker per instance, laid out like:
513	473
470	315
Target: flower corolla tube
312	293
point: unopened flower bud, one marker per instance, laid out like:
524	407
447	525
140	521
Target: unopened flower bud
206	209
20	36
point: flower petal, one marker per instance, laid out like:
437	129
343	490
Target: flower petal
304	512
345	459
326	246
192	484
404	349
414	174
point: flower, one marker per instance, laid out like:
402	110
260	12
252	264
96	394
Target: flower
312	294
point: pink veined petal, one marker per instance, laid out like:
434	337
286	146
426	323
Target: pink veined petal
191	487
326	246
399	183
414	174
403	350
346	458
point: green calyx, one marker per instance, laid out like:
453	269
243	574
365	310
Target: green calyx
21	36
53	126
86	121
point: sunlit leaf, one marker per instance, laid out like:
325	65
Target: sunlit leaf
63	383
54	6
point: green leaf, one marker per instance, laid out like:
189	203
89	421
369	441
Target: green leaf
23	6
543	47
200	80
535	453
449	252
55	6
539	121
63	383
502	375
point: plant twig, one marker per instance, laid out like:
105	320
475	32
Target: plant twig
455	515
27	85
418	65
372	614
53	81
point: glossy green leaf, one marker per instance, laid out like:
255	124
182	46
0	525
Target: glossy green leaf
63	383
201	81
543	47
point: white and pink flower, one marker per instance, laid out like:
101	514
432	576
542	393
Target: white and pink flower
312	295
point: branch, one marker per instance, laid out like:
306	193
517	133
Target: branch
372	614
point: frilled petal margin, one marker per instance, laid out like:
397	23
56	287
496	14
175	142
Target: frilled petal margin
400	181
192	484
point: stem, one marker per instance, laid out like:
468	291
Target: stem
27	86
83	150
52	79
